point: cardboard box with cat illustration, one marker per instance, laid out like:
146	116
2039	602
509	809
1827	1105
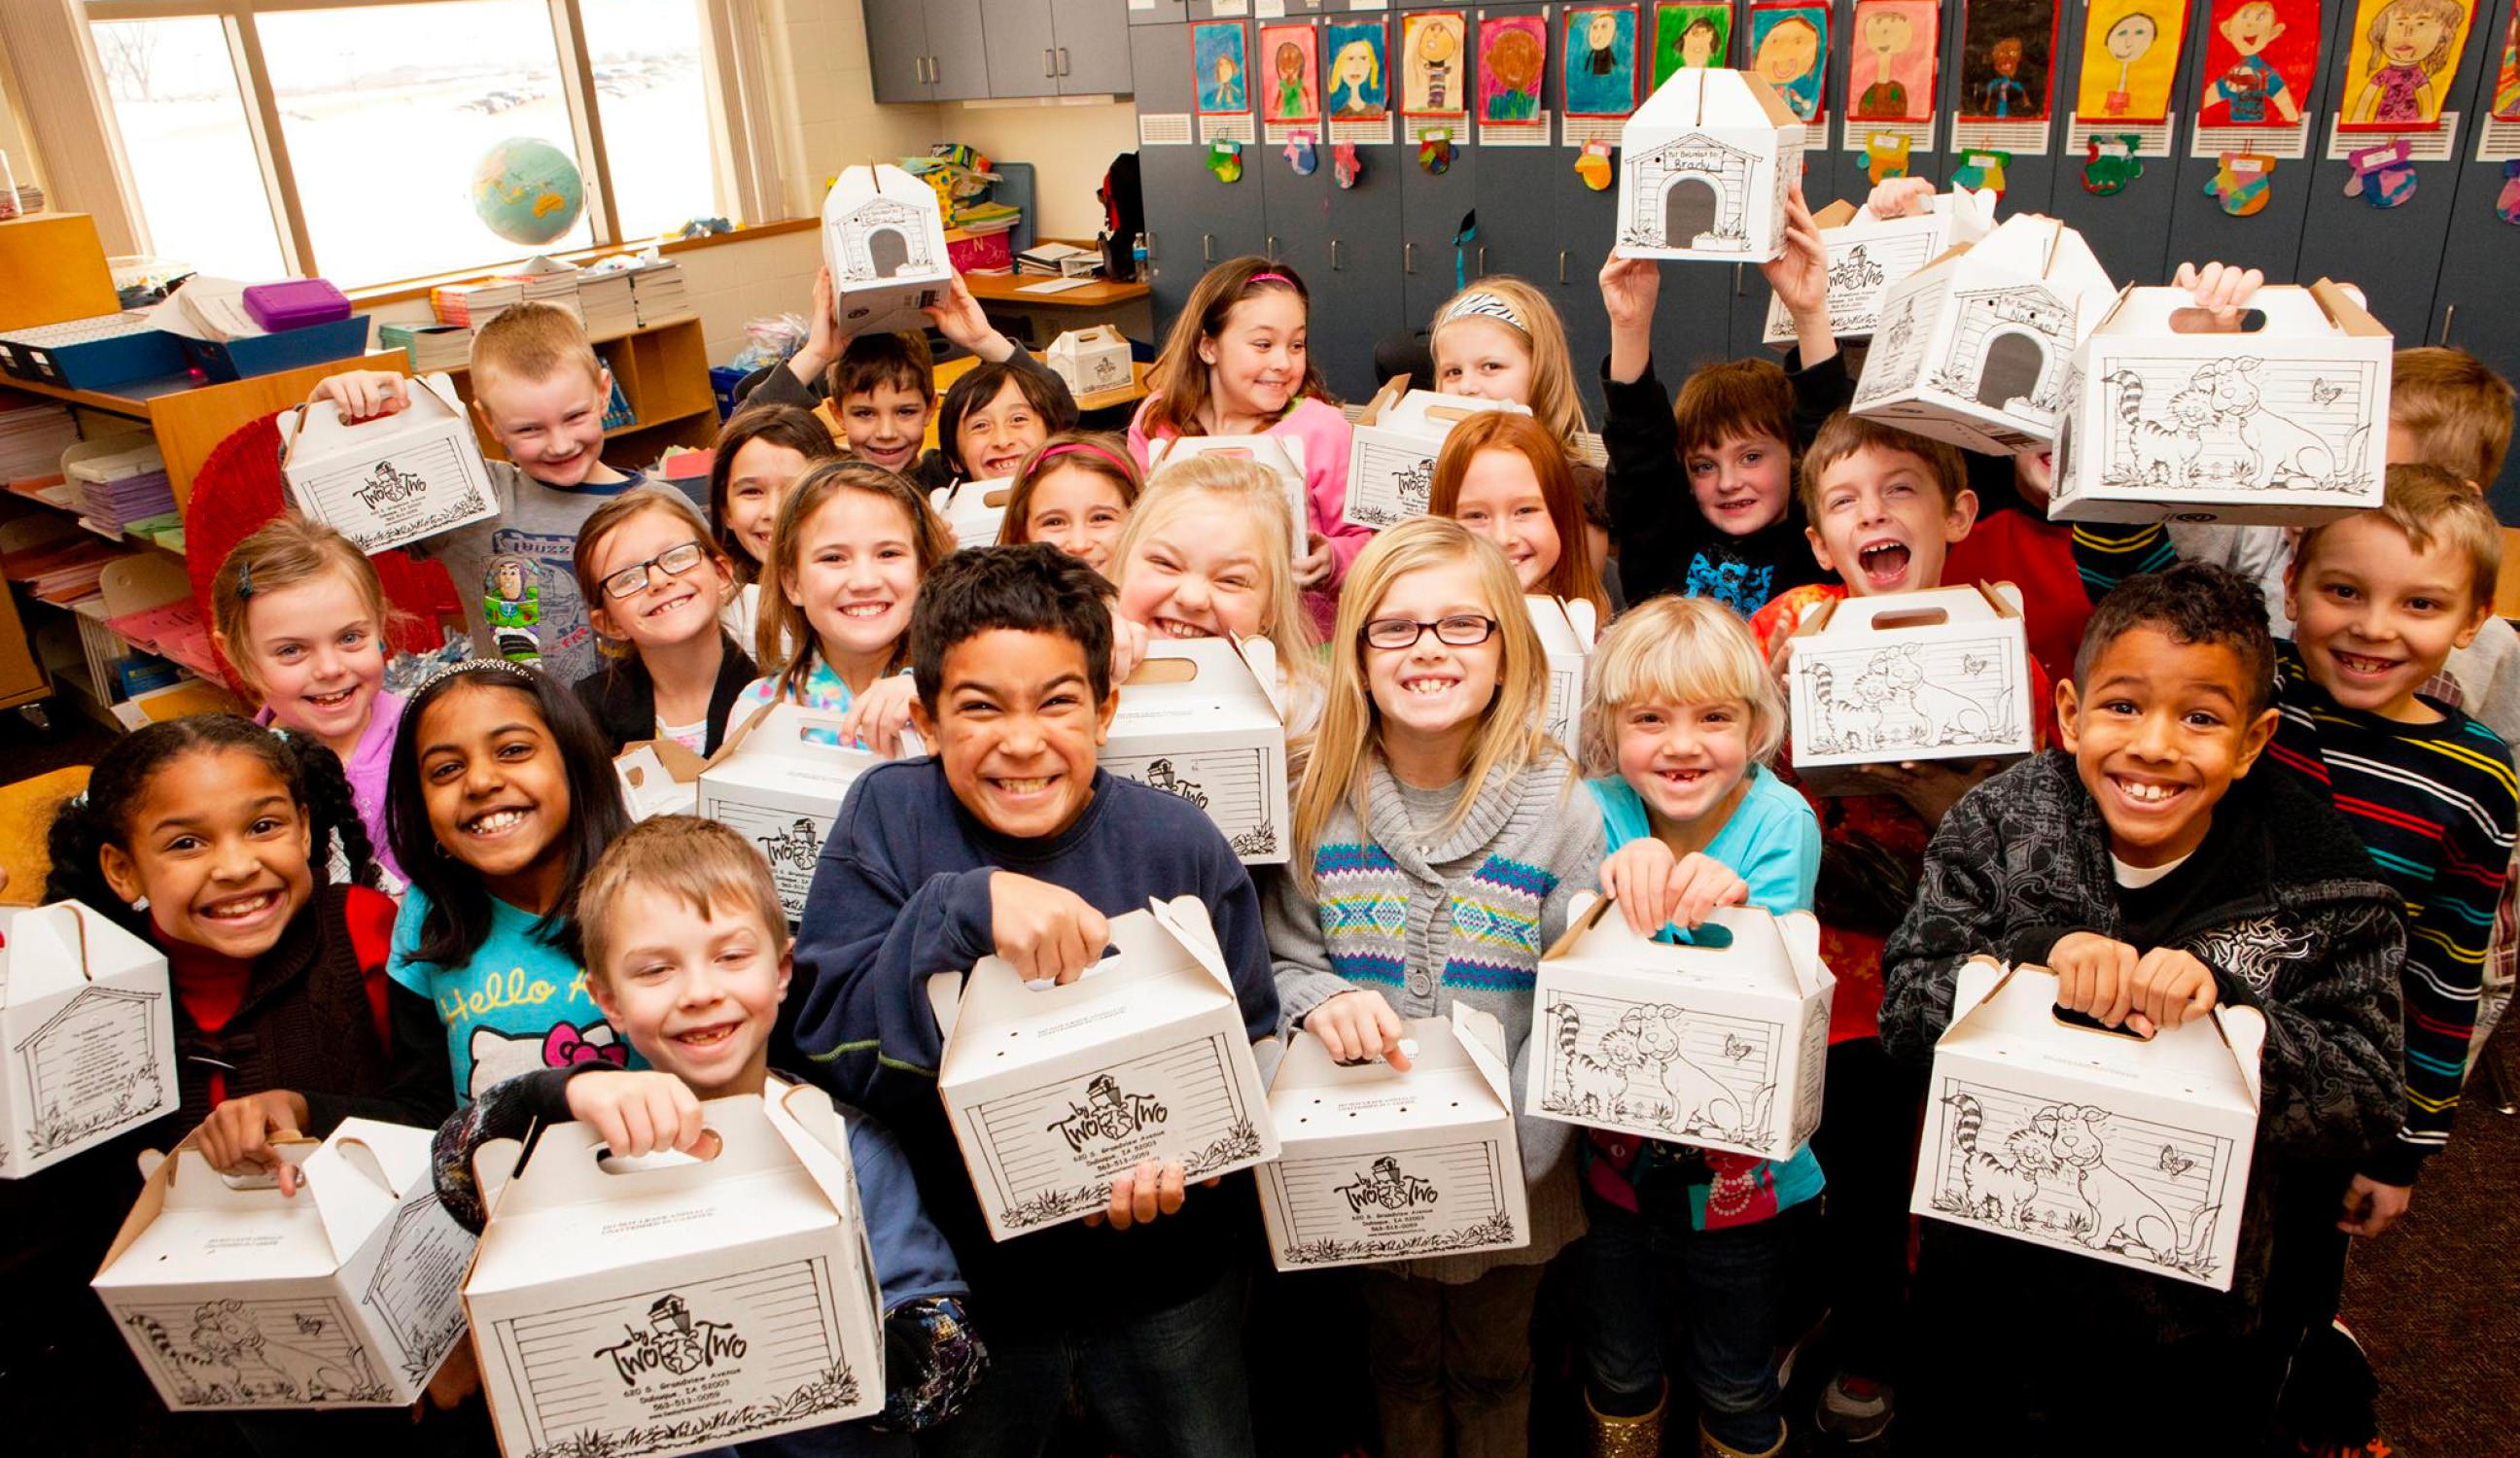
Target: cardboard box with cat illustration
1566	631
1868	256
1378	1164
1284	457
1934	675
87	1035
1053	1090
1974	348
974	510
2090	1140
348	1294
1723	1047
668	1304
2285	424
1391	456
1199	718
779	779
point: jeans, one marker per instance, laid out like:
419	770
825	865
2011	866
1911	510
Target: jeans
1460	1352
1165	1383
1730	1286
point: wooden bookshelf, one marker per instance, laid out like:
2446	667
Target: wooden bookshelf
663	373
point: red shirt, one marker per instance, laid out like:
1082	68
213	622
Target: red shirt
211	986
2036	556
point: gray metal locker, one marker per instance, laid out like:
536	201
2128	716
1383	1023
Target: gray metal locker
2472	306
1433	210
1193	220
2129	230
1352	262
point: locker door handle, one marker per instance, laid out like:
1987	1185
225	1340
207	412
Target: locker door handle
1207	247
1738	270
1483	259
1273	245
1409	259
2450	312
1562	265
1335	265
1049	62
1062	60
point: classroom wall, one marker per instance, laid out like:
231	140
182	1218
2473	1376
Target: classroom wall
1069	147
816	54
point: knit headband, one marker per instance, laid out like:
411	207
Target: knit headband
1077	447
1482	305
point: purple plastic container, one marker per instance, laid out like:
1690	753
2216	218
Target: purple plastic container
295	303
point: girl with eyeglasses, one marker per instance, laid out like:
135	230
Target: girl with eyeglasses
1447	834
654	580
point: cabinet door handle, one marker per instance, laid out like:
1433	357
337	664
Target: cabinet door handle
1409	259
1562	265
1049	62
1738	270
1483	260
2450	312
1273	247
1335	265
1207	247
1062	60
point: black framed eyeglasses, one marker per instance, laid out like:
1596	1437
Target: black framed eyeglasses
674	561
1460	629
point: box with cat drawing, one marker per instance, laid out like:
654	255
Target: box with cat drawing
1942	673
2090	1140
1722	1042
2283	417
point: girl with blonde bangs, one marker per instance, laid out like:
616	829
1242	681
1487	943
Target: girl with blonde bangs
1433	787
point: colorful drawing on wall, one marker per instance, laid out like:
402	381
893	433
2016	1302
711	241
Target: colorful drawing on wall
2404	56
1513	55
1601	61
1434	63
1789	50
2261	63
1217	60
1291	57
2007	59
1892	70
1689	34
2507	81
1357	90
2130	59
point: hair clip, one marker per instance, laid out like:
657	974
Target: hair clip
244	580
1481	304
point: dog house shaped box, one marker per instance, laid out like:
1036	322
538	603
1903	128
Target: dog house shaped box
1704	166
884	242
2286	424
1723	1046
2089	1140
1974	348
1869	255
1936	675
87	1036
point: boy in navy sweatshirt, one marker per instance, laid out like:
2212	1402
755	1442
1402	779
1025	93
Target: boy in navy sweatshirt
1009	840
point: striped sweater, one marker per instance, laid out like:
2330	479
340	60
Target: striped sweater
2436	805
1430	917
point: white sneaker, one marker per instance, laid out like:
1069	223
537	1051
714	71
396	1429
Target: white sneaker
1855	1409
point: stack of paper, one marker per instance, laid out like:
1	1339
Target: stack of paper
659	292
32	438
173	630
606	303
62	570
984	218
547	281
1058	260
122	489
431	347
215	307
474	305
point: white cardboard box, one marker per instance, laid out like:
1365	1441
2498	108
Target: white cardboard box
1974	348
2090	1140
1720	1047
668	1305
974	510
1868	255
782	790
1284	458
658	777
1094	365
1932	675
1391	456
1052	1090
1566	634
87	1036
1199	718
1378	1164
345	1295
393	480
2285	425
884	241
1704	168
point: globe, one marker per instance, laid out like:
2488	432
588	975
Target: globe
527	191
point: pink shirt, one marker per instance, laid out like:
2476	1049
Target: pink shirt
367	769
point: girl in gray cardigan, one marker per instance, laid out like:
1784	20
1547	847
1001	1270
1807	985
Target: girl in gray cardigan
1447	833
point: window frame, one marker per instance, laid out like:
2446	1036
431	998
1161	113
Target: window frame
745	183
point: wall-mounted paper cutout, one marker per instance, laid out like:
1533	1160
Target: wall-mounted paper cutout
1789	50
1513	55
1218	63
1291	55
1892	70
2130	59
1356	89
1434	63
2007	59
2404	55
1601	61
2261	63
1689	33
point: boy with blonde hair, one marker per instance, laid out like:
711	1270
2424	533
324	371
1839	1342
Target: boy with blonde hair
540	390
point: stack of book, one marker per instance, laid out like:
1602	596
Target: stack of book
547	281
981	217
1058	260
474	305
121	491
32	438
63	569
431	346
657	288
606	303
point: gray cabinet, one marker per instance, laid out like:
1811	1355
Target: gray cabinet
2472	304
971	50
897	50
1092	39
958	56
1022	57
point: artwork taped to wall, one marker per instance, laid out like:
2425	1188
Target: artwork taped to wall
1891	71
1356	80
1789	51
2261	63
2007	59
1690	33
1219	67
2507	75
1292	55
2130	59
1513	56
2401	57
1434	63
1601	61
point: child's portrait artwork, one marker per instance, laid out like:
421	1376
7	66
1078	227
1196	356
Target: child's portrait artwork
1291	55
1686	34
2260	61
1789	51
2507	80
1216	55
1355	76
1513	55
2403	58
1601	61
2130	59
1891	72
2007	59
1434	63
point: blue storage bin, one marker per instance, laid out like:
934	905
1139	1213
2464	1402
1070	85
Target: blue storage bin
65	354
723	378
270	354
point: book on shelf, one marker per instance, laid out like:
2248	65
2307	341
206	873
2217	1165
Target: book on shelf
474	304
431	347
32	438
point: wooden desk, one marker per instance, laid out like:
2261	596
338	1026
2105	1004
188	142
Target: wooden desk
954	370
1008	288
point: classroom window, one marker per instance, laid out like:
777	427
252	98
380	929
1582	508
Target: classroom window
269	135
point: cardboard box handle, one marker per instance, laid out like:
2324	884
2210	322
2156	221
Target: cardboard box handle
1163	671
711	1145
1453	413
1914	617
